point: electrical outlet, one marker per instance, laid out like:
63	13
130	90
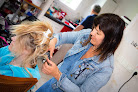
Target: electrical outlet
136	70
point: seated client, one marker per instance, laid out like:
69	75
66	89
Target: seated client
30	42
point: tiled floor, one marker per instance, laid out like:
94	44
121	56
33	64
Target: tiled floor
43	78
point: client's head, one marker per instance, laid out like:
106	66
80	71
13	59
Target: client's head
31	40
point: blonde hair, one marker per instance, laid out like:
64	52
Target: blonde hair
30	36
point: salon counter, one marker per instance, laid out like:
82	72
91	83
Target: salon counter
58	21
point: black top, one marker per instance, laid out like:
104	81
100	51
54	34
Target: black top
88	21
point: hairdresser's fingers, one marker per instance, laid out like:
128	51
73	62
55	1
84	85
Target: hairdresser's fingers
45	68
51	52
45	71
48	66
52	46
51	49
50	69
49	62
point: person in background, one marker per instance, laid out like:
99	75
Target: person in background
89	64
88	21
19	59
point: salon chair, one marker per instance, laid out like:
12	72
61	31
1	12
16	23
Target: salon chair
16	84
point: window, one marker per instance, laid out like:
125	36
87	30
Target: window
73	4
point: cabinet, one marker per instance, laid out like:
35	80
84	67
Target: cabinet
56	26
17	10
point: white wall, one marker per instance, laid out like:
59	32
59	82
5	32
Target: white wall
121	7
109	7
127	8
126	61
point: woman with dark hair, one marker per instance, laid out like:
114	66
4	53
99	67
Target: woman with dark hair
88	65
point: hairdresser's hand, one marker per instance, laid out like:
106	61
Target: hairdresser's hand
52	46
51	69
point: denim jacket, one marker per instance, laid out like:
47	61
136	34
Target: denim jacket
87	75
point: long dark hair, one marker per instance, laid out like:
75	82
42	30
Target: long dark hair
112	26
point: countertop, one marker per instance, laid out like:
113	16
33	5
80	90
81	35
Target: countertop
57	20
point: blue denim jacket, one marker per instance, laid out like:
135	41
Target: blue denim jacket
87	75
